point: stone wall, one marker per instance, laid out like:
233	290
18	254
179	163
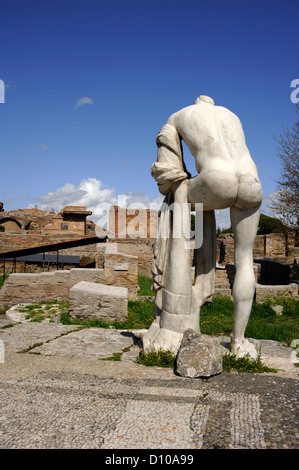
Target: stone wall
31	288
270	292
71	219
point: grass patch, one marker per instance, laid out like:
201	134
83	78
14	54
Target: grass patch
145	284
35	345
114	357
158	359
41	311
217	318
244	364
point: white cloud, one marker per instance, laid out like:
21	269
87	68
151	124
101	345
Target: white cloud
43	147
223	218
267	203
83	101
89	193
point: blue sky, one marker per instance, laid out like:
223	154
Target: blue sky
88	85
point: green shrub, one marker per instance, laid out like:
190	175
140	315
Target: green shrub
263	310
4	310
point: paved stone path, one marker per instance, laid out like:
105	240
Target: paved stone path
57	392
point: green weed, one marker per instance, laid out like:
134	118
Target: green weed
244	364
114	357
158	359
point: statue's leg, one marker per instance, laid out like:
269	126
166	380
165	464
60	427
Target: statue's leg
244	224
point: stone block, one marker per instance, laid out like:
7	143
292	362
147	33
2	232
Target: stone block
199	355
89	300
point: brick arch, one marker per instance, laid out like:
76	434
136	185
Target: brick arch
11	225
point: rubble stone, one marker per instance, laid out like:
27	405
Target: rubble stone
199	355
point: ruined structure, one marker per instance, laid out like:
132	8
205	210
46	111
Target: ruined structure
102	292
70	219
283	247
21	221
33	227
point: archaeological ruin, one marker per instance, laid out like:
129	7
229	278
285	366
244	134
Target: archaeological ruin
119	262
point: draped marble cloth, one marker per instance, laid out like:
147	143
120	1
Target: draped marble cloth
172	259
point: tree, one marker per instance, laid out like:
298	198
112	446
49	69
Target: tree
270	225
286	203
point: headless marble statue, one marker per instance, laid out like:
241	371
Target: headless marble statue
227	177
